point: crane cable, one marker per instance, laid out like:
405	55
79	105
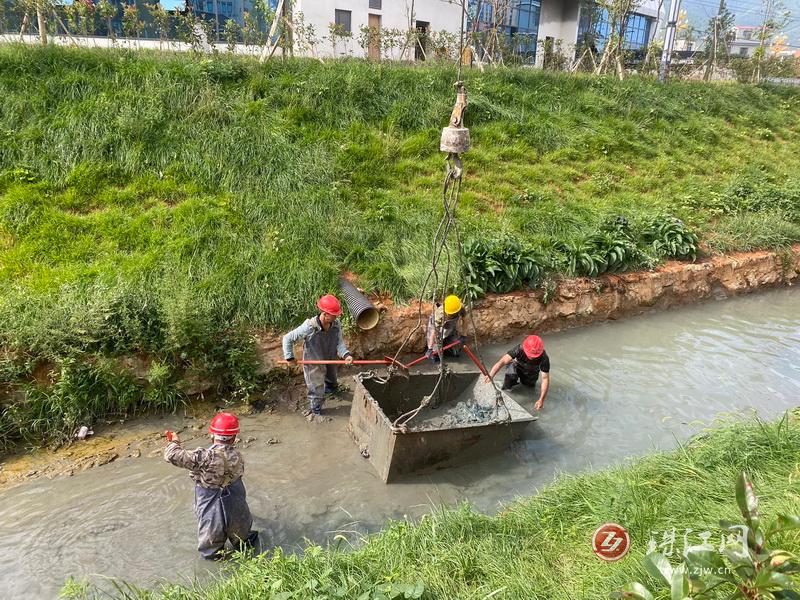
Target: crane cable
451	194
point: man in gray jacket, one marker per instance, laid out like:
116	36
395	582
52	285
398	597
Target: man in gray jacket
322	340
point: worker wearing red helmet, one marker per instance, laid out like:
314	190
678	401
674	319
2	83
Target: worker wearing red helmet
523	364
220	499
322	340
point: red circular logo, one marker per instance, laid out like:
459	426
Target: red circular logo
611	541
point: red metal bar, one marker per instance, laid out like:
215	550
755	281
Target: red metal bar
335	362
476	360
421	358
390	361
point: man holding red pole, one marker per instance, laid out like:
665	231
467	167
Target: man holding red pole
322	340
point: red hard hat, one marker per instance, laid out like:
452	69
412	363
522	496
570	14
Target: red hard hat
330	304
533	346
224	424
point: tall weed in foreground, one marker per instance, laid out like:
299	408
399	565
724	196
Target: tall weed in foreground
80	392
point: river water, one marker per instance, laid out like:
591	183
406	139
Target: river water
618	389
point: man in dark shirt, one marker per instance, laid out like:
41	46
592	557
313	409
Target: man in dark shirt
523	364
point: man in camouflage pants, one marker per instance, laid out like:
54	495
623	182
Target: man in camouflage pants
220	499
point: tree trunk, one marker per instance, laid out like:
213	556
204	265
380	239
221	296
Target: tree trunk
42	25
712	59
477	57
762	39
24	27
648	55
620	67
287	32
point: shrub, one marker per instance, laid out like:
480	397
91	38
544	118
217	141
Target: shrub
749	571
502	265
669	237
608	250
82	392
754	191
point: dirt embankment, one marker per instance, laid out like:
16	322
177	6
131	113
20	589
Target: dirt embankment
573	302
576	302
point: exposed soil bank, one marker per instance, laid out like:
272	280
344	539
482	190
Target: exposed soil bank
577	302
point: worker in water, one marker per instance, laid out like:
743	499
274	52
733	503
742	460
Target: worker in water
443	328
220	500
322	340
523	364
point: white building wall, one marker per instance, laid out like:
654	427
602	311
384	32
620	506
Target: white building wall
395	14
743	48
559	20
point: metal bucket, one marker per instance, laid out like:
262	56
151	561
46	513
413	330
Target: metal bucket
364	313
430	445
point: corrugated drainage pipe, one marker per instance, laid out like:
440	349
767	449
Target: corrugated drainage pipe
365	314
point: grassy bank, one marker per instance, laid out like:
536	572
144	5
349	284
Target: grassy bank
538	548
165	206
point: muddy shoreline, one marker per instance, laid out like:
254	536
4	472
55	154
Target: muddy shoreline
574	302
138	437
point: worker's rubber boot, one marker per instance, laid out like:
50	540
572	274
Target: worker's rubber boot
253	542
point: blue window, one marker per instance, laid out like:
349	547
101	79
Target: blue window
520	24
637	29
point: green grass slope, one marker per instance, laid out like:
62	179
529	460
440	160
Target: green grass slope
168	205
539	547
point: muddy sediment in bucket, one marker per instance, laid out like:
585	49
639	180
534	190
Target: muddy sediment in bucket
476	405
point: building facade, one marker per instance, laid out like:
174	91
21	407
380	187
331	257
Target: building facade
222	10
529	28
745	41
534	28
340	25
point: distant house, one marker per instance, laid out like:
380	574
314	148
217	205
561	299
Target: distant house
745	41
684	45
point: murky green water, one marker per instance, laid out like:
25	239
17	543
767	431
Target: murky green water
619	389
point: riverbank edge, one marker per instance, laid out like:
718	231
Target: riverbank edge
538	546
573	302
